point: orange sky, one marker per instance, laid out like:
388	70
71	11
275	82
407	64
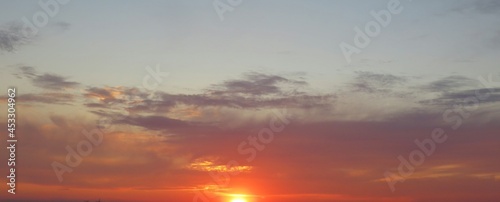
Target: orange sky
331	160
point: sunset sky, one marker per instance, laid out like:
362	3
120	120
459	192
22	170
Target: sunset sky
155	101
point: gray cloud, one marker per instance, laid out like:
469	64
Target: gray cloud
27	71
255	83
46	81
458	97
148	110
54	82
449	83
11	37
477	6
243	93
47	98
368	82
164	102
63	25
154	122
487	6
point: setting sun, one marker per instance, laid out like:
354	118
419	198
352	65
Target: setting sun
238	200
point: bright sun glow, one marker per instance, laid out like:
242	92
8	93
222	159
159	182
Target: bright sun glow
238	200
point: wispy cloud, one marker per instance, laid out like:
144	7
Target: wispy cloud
53	82
46	81
369	82
255	83
154	122
449	83
63	25
46	98
459	97
11	37
477	6
487	6
244	93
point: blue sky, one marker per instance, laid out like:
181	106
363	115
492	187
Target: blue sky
112	42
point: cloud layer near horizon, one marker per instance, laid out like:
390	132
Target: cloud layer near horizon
157	136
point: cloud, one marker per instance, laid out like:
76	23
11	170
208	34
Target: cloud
487	6
244	93
11	37
344	156
105	95
491	95
449	83
163	111
46	81
47	98
236	101
59	121
368	82
27	71
255	83
63	25
477	6
241	94
53	82
458	90
154	122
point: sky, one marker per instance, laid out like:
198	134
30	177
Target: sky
249	101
